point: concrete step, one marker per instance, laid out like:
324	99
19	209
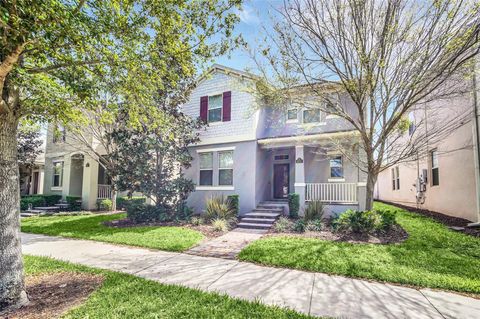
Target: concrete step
28	214
253	226
62	205
267	215
272	210
258	220
275	201
270	206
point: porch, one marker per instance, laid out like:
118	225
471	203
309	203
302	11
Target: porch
314	169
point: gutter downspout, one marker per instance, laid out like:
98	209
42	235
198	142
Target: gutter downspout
476	144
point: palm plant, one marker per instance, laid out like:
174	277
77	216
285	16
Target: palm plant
219	207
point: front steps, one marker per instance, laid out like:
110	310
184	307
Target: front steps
61	205
263	217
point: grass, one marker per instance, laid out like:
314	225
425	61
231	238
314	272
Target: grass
433	256
126	296
91	227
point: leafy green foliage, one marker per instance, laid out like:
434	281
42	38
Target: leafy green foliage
234	200
314	210
104	204
293	204
282	224
142	213
74	202
124	201
432	256
126	296
220	224
92	227
364	221
219	207
314	225
299	225
197	221
39	200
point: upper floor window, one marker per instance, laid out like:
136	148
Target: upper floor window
206	169
292	115
59	134
396	178
57	174
336	167
225	168
311	116
411	124
435	173
215	105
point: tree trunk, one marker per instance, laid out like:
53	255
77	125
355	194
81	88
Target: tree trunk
12	288
371	180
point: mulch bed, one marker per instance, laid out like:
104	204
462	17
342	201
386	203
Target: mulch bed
449	221
395	235
206	230
52	295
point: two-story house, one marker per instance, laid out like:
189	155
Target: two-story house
265	153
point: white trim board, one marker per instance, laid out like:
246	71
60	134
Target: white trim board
214	188
217	149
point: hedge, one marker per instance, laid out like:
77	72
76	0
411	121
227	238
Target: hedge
39	200
124	201
234	200
73	202
293	204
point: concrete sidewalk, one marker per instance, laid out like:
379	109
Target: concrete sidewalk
316	294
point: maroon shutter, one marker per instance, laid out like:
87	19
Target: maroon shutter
204	108
227	106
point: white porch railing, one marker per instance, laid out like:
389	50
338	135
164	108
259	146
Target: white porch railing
331	192
104	191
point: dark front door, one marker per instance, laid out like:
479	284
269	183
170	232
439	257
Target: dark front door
281	179
36	181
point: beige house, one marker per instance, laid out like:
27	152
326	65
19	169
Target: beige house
445	177
71	171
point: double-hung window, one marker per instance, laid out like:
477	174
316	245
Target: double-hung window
206	169
57	174
311	116
292	115
336	167
396	178
215	104
435	173
225	168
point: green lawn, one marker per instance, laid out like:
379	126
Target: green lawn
91	227
126	296
433	256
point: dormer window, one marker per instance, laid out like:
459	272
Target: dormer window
311	116
215	105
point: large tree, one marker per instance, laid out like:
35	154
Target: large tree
55	59
386	57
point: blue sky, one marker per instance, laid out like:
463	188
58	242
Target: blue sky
254	17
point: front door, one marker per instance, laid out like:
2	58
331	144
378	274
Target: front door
35	182
281	180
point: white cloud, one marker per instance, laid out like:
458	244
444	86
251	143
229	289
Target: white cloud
248	15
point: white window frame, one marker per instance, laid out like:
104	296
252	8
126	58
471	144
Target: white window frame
57	187
437	167
224	168
295	120
200	169
310	123
336	179
216	108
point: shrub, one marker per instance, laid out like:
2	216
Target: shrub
219	207
387	220
104	204
183	212
293	204
314	225
73	202
314	210
35	201
39	200
234	200
124	201
299	226
220	224
282	224
141	212
196	221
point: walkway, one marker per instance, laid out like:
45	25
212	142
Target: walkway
314	293
227	246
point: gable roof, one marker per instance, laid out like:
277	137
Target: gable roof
227	70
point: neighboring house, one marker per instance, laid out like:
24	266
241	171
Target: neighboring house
264	154
71	171
445	177
31	178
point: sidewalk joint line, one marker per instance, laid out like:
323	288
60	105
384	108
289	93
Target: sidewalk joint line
222	275
153	265
311	294
441	314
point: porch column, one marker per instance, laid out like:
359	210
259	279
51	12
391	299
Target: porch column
300	175
67	166
90	183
